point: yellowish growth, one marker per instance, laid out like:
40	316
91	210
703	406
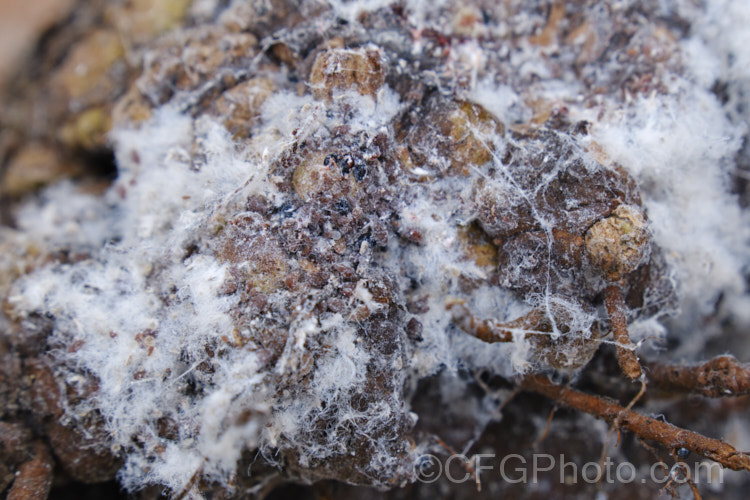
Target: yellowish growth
142	20
477	247
467	126
85	74
619	243
88	129
33	167
132	108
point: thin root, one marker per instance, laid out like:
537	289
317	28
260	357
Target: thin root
547	426
626	357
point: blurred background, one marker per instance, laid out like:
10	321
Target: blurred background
21	21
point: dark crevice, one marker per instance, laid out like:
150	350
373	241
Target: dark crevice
99	163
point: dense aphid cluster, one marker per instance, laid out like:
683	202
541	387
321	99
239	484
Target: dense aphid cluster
314	202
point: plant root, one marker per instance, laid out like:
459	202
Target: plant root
626	357
34	478
668	435
722	376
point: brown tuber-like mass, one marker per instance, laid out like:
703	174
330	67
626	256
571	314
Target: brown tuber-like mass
252	244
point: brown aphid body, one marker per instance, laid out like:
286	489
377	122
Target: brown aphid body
338	69
453	137
241	104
